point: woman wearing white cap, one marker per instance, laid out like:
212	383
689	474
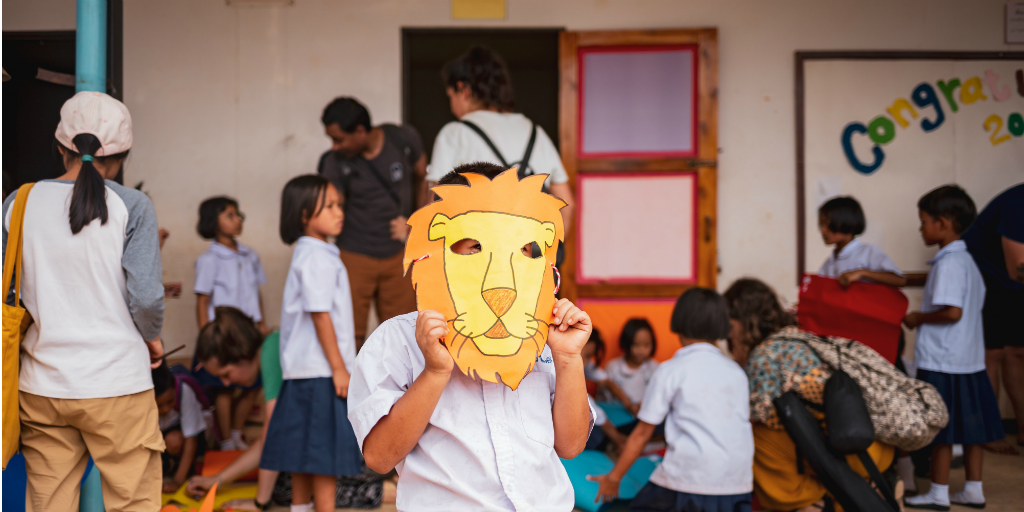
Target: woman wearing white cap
92	282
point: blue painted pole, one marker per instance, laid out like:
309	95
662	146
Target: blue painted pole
91	46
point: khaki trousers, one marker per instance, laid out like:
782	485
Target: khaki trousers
380	279
121	434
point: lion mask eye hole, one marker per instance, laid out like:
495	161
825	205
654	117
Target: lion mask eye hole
466	246
532	250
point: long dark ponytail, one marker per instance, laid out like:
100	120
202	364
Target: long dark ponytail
89	197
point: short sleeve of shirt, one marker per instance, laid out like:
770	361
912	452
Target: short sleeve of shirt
600	418
192	422
383	372
257	267
881	262
206	273
546	160
657	399
415	142
949	283
1011	220
593	372
270	366
318	289
446	146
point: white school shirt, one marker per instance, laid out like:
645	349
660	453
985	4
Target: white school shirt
317	282
458	144
704	399
594	373
231	279
600	418
857	256
633	381
190	419
957	347
486	447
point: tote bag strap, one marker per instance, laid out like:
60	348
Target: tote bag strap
12	260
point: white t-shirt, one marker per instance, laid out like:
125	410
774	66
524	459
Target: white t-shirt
957	347
190	419
486	446
858	256
633	381
317	282
458	144
95	296
704	399
231	279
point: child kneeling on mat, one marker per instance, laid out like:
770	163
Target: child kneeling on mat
703	398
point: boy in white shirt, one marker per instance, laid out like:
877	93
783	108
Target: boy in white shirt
461	443
703	397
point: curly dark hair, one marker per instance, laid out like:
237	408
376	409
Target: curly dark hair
757	308
484	72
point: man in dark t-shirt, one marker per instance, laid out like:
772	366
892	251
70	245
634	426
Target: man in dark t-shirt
996	241
380	171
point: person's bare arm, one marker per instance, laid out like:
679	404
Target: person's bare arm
188	457
396	434
618	393
564	192
886	278
570	411
1013	252
613	434
329	343
946	315
262	324
245	463
202	309
608	488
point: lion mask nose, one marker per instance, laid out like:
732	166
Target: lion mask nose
499	300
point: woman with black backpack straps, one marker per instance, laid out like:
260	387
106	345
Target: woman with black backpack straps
92	283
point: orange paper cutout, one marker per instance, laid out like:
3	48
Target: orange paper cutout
207	505
498	302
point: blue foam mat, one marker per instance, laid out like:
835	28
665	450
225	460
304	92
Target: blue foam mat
593	462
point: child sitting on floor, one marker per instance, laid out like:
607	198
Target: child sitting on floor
703	398
950	349
593	353
841	220
182	423
632	370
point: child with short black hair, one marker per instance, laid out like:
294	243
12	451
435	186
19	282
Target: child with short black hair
182	424
703	398
950	350
227	274
632	371
309	434
841	220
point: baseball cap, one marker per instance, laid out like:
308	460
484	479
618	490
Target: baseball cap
99	114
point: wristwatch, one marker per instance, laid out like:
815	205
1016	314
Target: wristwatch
262	506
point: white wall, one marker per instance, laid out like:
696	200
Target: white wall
226	100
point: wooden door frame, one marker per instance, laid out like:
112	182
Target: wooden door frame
705	164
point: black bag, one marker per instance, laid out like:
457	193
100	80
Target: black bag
846	414
524	164
848	488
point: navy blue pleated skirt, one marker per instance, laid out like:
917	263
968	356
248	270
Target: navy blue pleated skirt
654	497
310	433
973	411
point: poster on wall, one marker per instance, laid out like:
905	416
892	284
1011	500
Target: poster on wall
886	129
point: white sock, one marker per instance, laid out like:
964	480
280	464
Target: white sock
236	437
905	470
937	494
227	444
308	507
971	493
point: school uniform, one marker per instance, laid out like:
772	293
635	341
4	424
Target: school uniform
188	417
857	255
231	278
703	398
951	356
486	446
309	431
633	381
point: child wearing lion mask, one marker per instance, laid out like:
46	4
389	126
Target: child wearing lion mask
468	422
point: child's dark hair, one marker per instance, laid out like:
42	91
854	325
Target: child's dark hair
595	338
209	210
634	325
756	307
301	200
163	379
455	177
484	72
843	215
950	202
701	314
230	338
347	113
89	195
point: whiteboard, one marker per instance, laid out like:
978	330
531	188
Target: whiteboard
864	103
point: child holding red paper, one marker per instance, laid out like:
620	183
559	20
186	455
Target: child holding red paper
841	220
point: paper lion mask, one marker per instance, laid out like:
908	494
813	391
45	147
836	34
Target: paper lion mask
498	302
